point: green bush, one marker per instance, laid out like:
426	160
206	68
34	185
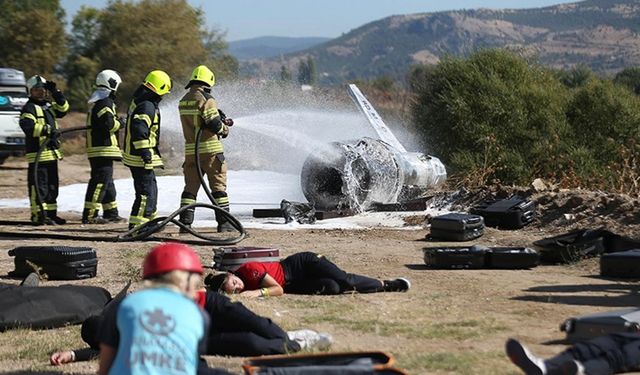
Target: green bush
493	116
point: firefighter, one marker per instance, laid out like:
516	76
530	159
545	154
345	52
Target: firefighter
38	121
198	109
102	150
141	144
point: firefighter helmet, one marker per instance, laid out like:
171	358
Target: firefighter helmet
169	257
204	75
158	82
108	79
35	81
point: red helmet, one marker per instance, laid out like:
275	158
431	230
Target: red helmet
169	257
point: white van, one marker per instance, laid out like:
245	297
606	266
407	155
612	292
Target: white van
13	95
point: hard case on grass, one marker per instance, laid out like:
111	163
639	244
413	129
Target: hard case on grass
457	227
570	247
455	257
322	364
512	257
594	325
230	258
57	262
512	213
624	264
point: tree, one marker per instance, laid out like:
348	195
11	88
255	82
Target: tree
575	77
32	36
629	77
285	76
134	38
307	71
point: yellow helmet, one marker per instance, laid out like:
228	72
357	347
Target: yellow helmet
158	82
204	75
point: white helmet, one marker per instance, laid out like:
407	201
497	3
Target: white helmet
108	79
35	81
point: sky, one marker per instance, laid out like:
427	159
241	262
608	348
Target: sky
245	19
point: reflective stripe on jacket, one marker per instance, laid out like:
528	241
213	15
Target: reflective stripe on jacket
142	135
102	140
196	108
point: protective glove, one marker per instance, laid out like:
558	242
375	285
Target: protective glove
46	130
50	86
54	139
146	156
228	121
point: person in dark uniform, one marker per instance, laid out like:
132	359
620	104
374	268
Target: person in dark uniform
610	354
102	150
38	122
142	142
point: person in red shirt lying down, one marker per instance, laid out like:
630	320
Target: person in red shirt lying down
300	273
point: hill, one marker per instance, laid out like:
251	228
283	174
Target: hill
271	46
603	34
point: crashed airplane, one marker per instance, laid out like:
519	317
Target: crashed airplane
358	173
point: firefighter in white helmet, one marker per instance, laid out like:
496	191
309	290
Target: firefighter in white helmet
102	149
38	121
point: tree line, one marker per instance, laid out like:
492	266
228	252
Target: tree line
130	37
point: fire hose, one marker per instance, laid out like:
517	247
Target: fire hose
146	230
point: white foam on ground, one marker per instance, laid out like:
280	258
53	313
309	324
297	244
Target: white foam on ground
247	190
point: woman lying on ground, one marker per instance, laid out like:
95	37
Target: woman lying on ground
301	273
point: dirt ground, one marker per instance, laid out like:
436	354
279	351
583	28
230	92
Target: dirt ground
450	322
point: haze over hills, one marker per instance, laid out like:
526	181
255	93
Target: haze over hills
271	46
603	34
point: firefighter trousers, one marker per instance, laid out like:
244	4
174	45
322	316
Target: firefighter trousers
214	168
47	187
101	191
146	187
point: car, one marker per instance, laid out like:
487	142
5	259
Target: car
13	95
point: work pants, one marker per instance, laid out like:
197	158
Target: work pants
237	331
101	191
310	273
47	187
610	354
145	204
214	168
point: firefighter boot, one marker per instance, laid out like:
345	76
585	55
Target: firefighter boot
223	224
53	215
92	218
186	218
111	215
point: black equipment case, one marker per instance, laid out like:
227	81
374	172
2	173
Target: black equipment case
571	247
322	363
457	227
455	257
512	213
594	325
57	262
512	257
624	264
230	258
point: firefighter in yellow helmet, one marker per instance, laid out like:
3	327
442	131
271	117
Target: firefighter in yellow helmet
142	144
198	109
38	121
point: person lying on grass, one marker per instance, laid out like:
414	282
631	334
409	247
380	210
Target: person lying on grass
301	273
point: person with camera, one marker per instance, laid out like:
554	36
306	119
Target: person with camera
38	122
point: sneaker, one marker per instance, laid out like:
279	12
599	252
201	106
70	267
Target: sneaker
308	339
32	280
523	358
397	285
226	227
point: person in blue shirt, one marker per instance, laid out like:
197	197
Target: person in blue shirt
160	329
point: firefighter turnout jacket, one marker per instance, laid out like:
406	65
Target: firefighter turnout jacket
142	134
103	126
198	109
38	122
